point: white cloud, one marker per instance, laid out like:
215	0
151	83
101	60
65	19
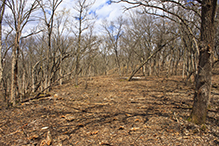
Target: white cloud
102	8
99	4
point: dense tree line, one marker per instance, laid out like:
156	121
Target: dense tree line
163	38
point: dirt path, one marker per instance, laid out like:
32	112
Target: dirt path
111	111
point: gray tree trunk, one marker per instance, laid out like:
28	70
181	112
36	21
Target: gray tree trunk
203	78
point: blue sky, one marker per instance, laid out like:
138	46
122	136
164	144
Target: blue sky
103	9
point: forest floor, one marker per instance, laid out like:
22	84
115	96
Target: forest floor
112	111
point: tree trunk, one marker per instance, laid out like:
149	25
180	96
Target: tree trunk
13	77
117	61
76	70
60	71
149	68
2	8
14	68
48	67
33	79
203	78
1	66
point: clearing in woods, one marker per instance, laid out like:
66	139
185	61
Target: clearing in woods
112	111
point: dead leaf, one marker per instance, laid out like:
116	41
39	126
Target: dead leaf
80	125
169	130
147	126
43	143
137	120
94	133
43	116
44	128
33	137
115	118
177	133
63	137
128	115
48	138
104	143
121	128
134	128
69	117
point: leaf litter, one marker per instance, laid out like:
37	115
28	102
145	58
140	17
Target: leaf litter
111	111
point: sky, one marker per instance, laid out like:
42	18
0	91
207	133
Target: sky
103	9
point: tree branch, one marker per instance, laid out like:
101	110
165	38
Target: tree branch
154	53
167	11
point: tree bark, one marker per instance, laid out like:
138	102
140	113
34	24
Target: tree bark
2	9
203	78
14	68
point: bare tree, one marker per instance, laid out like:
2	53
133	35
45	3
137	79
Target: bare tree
83	19
2	10
114	32
205	48
203	78
21	13
61	37
49	8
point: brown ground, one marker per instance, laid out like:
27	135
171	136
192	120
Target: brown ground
111	111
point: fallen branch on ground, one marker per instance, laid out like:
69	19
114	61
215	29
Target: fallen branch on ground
154	53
